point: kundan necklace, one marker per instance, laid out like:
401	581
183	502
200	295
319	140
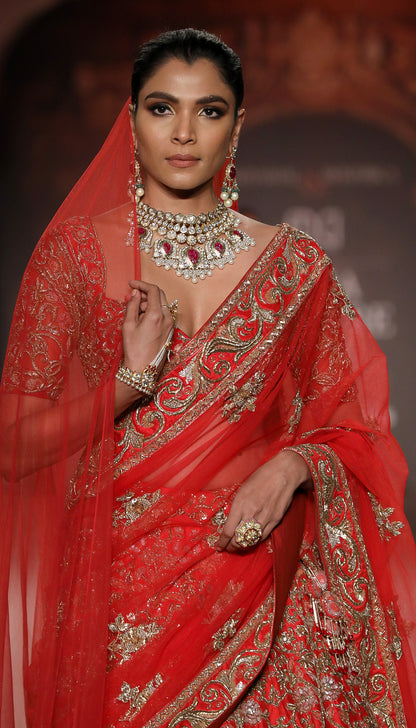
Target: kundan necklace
191	244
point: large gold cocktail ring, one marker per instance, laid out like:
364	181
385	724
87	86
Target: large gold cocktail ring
247	534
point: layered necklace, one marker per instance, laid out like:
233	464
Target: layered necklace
193	245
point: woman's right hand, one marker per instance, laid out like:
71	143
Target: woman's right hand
146	326
145	329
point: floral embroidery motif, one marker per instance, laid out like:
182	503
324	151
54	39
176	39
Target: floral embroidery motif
228	629
295	418
61	308
217	520
248	713
396	643
243	398
129	638
136	697
386	528
133	506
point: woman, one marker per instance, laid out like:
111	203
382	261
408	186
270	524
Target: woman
203	503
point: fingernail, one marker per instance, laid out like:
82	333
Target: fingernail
134	292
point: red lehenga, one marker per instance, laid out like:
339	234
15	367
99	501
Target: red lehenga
120	610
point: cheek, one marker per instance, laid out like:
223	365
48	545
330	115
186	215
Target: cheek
148	139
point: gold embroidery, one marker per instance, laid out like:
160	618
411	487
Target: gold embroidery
243	398
129	638
90	474
216	696
261	295
133	506
350	575
228	629
386	528
136	697
218	690
332	364
396	643
62	309
218	520
346	306
295	418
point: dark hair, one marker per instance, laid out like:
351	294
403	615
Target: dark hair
188	45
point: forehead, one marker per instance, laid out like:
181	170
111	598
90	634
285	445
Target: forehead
181	79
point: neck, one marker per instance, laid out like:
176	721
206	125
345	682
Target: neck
186	202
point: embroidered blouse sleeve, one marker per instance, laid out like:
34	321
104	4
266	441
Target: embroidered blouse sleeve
47	318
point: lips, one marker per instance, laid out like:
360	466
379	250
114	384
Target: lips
182	160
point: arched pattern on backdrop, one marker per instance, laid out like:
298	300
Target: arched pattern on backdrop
311	77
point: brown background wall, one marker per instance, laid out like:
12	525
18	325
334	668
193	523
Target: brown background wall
330	141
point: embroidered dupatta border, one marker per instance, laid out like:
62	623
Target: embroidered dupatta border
222	679
293	299
337	521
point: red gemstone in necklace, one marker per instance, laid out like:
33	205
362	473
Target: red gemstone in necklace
238	233
167	248
219	247
193	256
141	230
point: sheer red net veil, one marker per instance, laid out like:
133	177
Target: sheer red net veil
57	444
43	408
53	423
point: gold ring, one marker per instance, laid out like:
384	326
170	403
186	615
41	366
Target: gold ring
247	534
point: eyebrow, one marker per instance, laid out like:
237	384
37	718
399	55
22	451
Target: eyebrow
203	100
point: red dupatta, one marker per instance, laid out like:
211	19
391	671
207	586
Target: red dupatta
284	362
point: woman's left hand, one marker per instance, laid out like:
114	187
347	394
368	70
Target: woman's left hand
265	496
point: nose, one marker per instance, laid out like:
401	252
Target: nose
183	131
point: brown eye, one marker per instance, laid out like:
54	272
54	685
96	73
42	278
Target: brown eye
212	112
160	109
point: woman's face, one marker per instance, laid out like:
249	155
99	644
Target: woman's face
184	127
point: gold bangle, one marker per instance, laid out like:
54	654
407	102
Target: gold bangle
145	381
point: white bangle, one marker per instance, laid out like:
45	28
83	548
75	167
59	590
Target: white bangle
156	362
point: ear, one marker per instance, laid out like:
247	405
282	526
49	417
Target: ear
241	115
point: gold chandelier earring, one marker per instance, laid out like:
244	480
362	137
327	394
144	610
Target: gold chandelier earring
138	182
230	190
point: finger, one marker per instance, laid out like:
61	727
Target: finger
141	286
133	307
227	533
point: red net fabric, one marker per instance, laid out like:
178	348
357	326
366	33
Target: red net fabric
99	521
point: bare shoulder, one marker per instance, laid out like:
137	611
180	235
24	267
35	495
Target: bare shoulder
261	232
